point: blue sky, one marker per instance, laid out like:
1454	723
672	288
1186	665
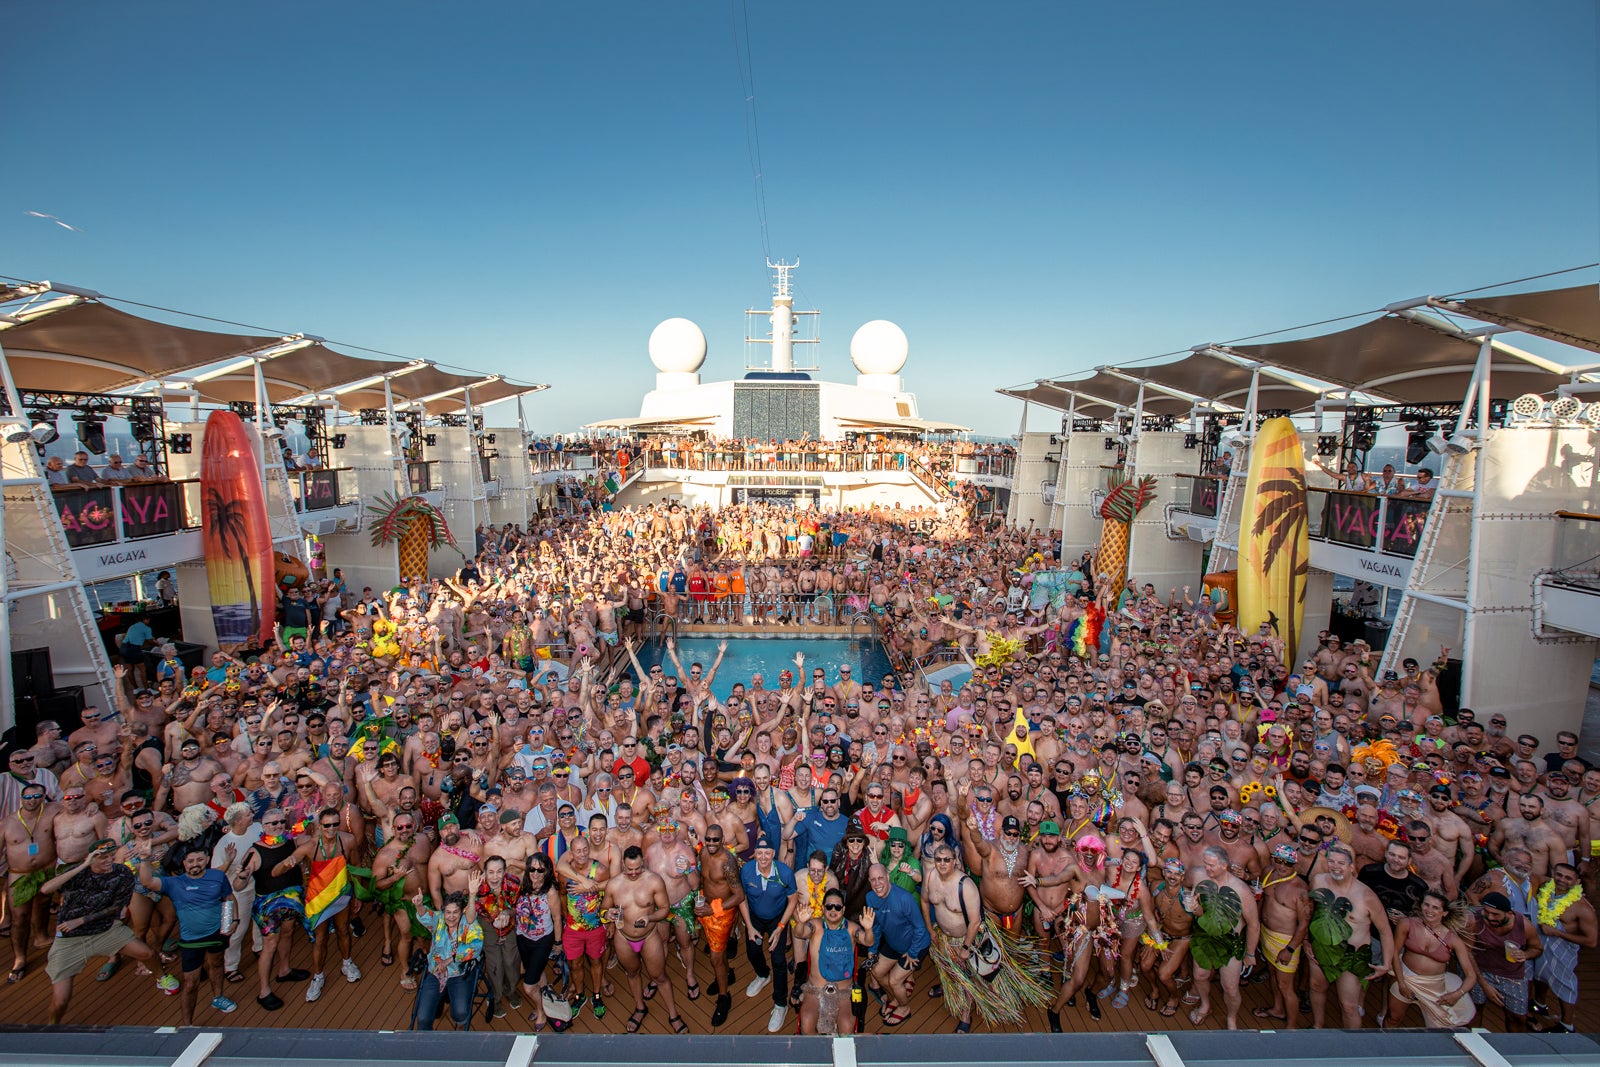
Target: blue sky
1027	189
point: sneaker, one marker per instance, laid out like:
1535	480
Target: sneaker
224	1005
351	972
724	1005
168	984
314	990
270	1002
597	1006
775	1020
757	984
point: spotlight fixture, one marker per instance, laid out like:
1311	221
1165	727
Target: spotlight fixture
1191	440
180	444
16	431
1364	438
1565	407
488	438
91	431
430	439
1527	406
1591	414
1110	444
1417	442
337	440
1327	444
142	425
44	426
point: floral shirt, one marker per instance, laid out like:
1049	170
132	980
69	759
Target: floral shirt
450	956
533	916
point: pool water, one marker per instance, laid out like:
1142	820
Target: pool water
748	656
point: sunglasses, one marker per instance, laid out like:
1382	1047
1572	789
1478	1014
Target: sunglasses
833	907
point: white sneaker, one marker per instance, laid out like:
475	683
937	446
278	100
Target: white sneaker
351	972
757	984
314	990
775	1020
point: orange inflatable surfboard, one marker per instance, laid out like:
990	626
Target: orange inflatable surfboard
237	535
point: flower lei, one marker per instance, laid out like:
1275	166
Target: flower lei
1550	914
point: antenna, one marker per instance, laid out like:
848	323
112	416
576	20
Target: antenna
780	278
781	319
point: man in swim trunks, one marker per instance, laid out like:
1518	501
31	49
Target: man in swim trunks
584	936
1285	920
674	860
716	906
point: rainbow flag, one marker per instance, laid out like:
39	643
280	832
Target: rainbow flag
326	890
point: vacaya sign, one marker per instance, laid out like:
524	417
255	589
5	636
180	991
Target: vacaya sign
1357	520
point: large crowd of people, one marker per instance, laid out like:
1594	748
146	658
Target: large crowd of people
496	775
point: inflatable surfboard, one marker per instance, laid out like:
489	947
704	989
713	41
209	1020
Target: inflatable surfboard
236	535
1274	535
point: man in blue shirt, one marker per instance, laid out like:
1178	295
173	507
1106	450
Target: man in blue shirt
769	897
900	942
198	896
822	829
134	642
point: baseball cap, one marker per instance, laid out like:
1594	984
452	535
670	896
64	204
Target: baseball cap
1011	824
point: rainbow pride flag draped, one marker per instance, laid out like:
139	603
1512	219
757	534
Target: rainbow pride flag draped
1083	637
326	890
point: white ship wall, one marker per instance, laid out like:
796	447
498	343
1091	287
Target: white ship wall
1153	556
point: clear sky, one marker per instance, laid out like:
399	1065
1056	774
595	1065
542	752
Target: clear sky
1028	189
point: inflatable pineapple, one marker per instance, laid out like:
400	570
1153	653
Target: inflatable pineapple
1125	498
414	526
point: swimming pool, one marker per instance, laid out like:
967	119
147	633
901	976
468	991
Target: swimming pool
748	656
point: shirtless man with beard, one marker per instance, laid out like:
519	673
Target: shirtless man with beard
1003	863
1285	921
952	908
639	903
674	861
29	840
1232	955
1530	831
380	784
190	777
1346	965
1365	841
1563	810
1163	960
398	873
458	854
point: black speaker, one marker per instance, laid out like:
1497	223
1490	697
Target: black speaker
65	706
30	673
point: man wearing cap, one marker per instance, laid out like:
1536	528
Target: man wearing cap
1504	944
770	896
199	894
93	895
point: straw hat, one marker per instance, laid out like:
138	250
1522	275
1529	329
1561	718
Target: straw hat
1341	825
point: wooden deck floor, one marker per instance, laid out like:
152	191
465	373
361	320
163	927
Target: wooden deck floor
377	1003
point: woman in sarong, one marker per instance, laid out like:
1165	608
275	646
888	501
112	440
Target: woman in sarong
1425	944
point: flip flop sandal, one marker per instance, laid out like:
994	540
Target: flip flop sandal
1121	1001
234	977
1168	1011
693	990
902	1013
1151	1004
387	959
650	991
16	974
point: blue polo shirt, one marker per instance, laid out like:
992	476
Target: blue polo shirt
138	634
898	929
769	895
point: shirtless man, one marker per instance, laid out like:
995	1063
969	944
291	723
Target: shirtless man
1172	946
1231	956
1432	866
1345	965
78	825
1530	831
953	910
98	728
398	873
638	899
1004	862
716	906
1285	923
1365	841
458	855
190	777
1565	812
673	859
28	834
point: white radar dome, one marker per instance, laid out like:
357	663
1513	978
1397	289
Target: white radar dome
677	346
879	347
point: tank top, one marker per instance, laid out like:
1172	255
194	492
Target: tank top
1491	954
533	917
267	882
836	957
873	825
140	778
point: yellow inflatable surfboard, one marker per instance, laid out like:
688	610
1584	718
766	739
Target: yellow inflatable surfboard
1274	535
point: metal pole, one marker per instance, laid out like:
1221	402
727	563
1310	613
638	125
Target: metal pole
1469	628
401	487
8	705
